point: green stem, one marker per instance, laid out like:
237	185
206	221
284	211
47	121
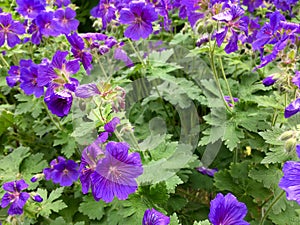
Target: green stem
137	53
270	207
4	61
215	74
226	81
57	124
102	68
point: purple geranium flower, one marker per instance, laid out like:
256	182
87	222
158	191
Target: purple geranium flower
59	70
9	30
15	196
47	25
79	51
269	34
234	23
62	171
14	76
58	102
87	90
268	81
292	108
89	158
115	174
36	35
227	210
207	171
66	20
139	16
153	217
29	81
104	10
290	182
296	79
30	8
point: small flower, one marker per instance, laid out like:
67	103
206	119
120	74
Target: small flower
66	20
9	30
104	10
153	217
115	174
30	8
268	81
60	3
227	210
207	171
139	16
47	25
290	182
15	196
62	171
292	108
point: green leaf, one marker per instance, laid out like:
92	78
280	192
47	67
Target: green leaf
51	203
174	220
160	57
232	135
6	120
29	104
32	165
204	222
91	208
268	176
9	165
289	216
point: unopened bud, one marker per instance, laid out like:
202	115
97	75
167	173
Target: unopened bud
286	135
290	145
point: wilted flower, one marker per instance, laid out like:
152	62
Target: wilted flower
139	16
115	174
15	196
227	210
153	217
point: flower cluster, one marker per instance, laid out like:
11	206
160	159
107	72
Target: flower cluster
16	197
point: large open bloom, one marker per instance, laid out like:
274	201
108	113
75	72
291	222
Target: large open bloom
227	210
139	16
115	174
153	217
15	196
290	182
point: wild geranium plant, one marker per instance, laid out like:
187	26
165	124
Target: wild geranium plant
149	112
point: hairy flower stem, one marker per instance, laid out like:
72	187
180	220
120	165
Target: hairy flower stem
270	207
215	74
226	81
57	124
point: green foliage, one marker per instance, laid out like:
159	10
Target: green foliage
91	208
51	202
